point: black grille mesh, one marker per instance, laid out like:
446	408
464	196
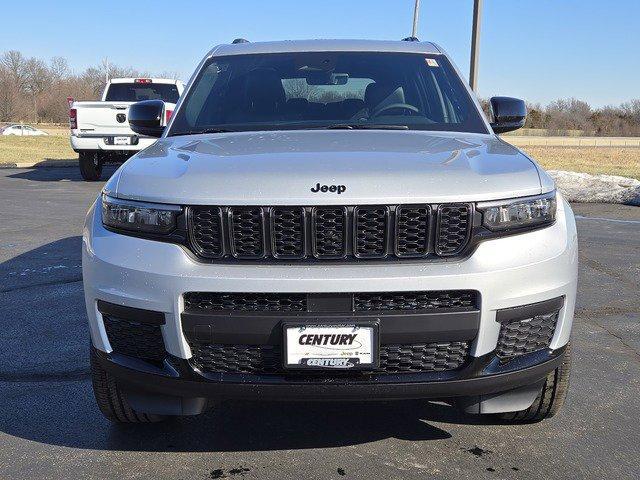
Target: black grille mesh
412	231
329	232
247	232
267	359
454	226
206	231
430	357
297	302
135	339
371	232
415	300
287	226
245	302
526	336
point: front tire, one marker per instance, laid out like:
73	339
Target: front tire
111	402
550	399
91	165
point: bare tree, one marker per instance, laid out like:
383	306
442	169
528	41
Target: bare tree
37	80
15	64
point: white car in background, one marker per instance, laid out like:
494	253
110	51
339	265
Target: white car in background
22	130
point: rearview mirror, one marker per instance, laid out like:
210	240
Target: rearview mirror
145	118
508	114
327	78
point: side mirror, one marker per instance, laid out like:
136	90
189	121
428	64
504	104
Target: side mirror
508	114
145	118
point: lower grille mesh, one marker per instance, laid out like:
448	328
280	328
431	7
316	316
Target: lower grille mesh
298	302
415	300
135	339
267	359
245	302
526	336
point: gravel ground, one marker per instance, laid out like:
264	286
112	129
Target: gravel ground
50	427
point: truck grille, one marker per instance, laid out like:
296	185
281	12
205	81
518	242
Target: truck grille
195	302
329	233
267	359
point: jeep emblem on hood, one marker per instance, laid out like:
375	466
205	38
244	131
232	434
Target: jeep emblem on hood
329	188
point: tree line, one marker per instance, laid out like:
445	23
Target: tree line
35	90
563	116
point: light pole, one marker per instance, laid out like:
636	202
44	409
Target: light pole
416	11
475	44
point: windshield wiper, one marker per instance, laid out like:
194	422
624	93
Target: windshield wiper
362	126
204	130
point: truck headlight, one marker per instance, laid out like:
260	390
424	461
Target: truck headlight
519	212
139	216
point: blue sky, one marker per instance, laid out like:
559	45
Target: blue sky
539	50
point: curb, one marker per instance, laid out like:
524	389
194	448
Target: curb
45	164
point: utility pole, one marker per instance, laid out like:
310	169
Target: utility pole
416	11
105	63
475	44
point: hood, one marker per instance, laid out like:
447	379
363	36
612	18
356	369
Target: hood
365	166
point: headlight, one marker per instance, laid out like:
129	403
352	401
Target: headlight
519	212
138	216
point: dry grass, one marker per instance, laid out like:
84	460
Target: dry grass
624	161
14	149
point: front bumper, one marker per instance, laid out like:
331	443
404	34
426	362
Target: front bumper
484	376
507	272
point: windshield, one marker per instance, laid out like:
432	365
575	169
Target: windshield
136	92
327	90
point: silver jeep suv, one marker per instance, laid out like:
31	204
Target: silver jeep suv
329	220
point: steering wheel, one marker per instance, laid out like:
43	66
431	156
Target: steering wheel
404	106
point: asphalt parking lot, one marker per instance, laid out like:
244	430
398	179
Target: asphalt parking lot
50	427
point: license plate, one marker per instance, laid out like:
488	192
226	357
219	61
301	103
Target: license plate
321	347
121	140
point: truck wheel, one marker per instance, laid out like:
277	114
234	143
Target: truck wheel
549	400
110	399
91	165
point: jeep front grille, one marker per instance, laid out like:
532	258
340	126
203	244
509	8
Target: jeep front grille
371	232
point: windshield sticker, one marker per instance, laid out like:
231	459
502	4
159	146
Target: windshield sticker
431	62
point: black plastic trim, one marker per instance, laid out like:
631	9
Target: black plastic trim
395	326
523	312
149	317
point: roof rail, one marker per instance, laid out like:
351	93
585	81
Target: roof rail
410	39
240	40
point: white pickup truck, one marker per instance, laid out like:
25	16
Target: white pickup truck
100	130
